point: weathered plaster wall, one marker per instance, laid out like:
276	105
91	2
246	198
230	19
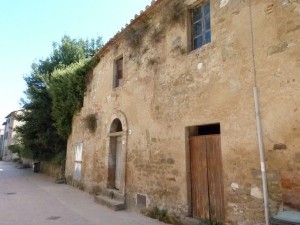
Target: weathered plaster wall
277	68
167	88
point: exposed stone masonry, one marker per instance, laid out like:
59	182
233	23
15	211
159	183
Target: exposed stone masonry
167	88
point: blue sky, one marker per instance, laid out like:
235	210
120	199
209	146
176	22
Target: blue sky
28	28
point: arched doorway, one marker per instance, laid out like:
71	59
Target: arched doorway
115	167
116	144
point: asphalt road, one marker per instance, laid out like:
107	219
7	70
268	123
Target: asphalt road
28	198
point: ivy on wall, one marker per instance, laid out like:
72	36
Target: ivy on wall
67	90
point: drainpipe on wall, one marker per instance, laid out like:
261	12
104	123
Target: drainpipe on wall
259	127
261	154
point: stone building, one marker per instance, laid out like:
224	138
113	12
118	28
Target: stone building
188	99
10	135
1	141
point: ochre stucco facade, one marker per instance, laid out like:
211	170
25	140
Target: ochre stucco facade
168	88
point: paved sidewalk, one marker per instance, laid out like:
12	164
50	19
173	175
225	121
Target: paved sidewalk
28	198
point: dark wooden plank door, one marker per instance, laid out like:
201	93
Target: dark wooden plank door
215	178
118	171
199	183
206	177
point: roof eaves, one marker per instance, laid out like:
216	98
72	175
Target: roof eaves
13	112
136	19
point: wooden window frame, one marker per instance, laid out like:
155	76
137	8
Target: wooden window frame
205	16
118	72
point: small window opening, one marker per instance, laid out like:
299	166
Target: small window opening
201	33
118	72
205	130
209	129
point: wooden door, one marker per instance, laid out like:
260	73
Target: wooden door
206	177
199	182
118	171
215	177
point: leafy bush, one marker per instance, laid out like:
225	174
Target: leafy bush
174	13
212	222
158	34
90	122
134	35
58	158
14	148
160	214
21	150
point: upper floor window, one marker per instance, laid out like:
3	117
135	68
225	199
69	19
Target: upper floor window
118	73
6	135
201	34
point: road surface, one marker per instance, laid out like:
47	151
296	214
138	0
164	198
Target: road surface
28	198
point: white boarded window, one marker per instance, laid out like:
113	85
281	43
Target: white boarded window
78	161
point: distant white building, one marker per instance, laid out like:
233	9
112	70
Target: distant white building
1	141
9	136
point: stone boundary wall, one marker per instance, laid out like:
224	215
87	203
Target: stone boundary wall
51	169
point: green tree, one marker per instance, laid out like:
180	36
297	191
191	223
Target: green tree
39	133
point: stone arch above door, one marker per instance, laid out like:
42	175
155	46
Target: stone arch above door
121	116
116	142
